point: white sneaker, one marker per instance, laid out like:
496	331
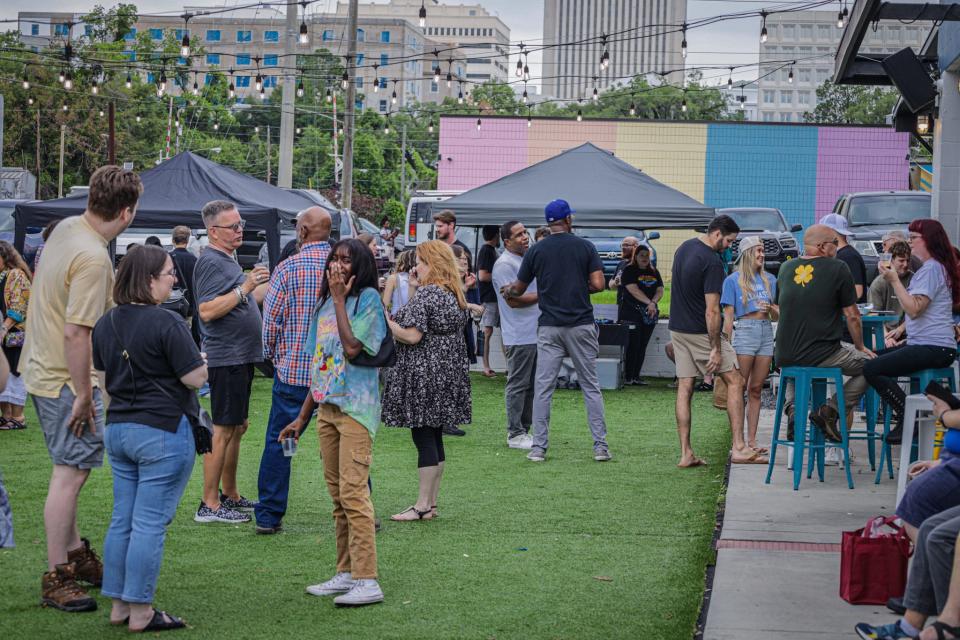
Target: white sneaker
340	583
522	441
363	592
833	457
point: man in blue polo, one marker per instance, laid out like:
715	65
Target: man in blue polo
567	270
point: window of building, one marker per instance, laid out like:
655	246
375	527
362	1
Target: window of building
383	83
271	36
34	29
786	97
327	34
213	58
786	117
151	78
244	36
209	79
767	116
213	35
769	96
243	82
384	36
156	34
130	55
361	35
384	59
803	98
179	33
358	105
823	75
360	59
803	76
243	58
383	106
434	87
825	32
359	82
806	32
88	30
893	35
270	61
789	32
183	61
269	82
473	12
131	34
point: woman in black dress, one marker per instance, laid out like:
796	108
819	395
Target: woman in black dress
643	290
429	387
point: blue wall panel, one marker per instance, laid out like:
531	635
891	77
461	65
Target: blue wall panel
763	166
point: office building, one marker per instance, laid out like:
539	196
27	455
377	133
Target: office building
571	71
811	38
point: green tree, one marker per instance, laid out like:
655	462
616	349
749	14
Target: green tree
851	104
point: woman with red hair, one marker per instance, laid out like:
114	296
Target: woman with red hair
928	306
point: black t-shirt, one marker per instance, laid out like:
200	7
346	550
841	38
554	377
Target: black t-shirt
648	280
697	271
185	262
486	257
161	349
812	294
562	264
858	269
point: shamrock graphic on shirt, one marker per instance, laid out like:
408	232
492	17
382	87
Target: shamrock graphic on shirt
803	274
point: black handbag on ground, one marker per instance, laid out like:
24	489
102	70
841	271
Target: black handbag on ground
387	354
200	421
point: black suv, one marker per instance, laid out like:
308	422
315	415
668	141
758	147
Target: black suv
779	245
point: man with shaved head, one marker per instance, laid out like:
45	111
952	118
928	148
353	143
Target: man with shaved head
816	294
291	298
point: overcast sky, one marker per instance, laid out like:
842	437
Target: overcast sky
725	44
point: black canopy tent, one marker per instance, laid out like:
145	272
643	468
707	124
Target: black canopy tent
603	190
175	191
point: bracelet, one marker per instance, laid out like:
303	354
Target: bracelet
240	296
940	417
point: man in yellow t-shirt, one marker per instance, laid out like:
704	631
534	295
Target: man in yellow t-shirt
69	295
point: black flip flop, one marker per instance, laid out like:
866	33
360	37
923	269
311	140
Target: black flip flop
941	627
159	622
9	424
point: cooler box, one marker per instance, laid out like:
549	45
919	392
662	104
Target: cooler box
609	372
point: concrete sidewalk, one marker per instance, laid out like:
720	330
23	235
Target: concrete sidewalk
778	556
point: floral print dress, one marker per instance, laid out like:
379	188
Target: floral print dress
429	386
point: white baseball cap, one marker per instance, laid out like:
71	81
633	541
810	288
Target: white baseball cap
746	244
836	222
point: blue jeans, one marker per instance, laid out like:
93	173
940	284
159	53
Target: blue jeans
151	468
273	484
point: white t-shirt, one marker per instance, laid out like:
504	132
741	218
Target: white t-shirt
517	325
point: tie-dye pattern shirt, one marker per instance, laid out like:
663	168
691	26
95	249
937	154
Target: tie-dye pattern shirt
333	380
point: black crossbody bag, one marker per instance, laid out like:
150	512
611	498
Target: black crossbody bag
200	421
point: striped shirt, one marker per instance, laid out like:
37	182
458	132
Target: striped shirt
287	310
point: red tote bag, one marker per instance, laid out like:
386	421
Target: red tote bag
873	562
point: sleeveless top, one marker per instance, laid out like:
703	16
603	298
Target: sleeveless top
401	292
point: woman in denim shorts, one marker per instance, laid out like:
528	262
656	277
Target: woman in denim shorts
748	308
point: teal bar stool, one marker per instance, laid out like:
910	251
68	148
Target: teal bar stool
810	384
873	339
918	382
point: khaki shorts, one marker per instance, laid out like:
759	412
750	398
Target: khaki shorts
692	352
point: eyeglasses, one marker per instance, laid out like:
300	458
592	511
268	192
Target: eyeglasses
835	242
172	273
236	226
914	236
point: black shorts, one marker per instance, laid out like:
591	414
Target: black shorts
230	394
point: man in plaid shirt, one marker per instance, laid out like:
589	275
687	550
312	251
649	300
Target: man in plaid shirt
287	309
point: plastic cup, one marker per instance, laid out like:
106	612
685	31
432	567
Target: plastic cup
886	259
289	447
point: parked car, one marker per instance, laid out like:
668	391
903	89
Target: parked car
771	226
8	226
608	242
419	223
365	226
872	214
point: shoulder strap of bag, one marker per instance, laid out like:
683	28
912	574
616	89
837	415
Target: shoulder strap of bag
126	357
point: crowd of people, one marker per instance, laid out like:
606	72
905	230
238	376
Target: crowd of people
353	355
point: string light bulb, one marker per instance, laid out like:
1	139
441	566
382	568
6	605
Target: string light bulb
258	84
231	90
26	81
163	81
138	118
595	96
386	125
300	89
519	71
479	124
529	121
524	97
256	129
344	80
216	126
101	113
840	20
605	56
743	99
423	15
526	72
376	79
430	126
683	105
436	74
185	45
730	79
196	88
304	37
683	43
65	107
763	28
449	79
94	89
61	77
129	83
579	115
633	109
30	100
460	97
299	131
329	96
393	96
790	75
68	81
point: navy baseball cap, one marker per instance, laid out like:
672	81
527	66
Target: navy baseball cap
557	210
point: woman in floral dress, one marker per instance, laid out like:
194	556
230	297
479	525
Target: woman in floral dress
14	297
429	387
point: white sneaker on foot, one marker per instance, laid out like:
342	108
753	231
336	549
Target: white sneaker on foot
363	592
833	456
340	583
522	441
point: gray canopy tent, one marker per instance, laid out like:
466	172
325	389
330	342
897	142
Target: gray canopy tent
604	191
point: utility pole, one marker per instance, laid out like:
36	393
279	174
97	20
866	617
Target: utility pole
111	134
351	106
169	125
269	151
336	151
287	120
1	129
37	195
403	164
63	135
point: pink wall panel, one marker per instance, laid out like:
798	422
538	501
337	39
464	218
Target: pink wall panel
858	159
549	137
471	158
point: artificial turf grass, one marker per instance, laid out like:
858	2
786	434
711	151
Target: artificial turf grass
516	553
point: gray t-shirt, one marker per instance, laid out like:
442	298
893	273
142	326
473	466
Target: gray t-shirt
235	337
934	326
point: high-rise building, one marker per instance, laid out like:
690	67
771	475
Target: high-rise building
811	39
641	43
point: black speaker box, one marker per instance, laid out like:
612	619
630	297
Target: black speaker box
910	77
